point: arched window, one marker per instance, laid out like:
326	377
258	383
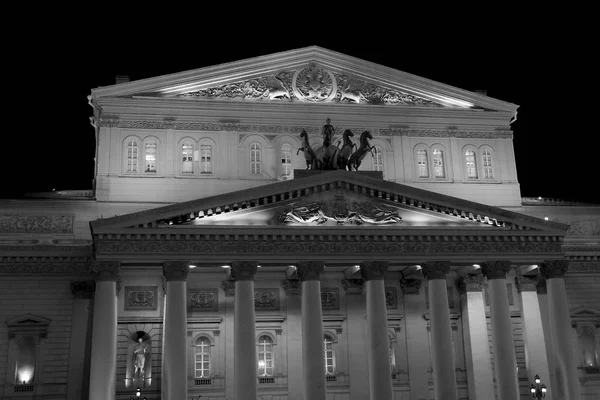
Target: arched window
255	159
378	159
26	362
488	170
470	164
265	356
205	158
329	355
187	158
202	358
422	163
438	163
132	156
150	156
286	159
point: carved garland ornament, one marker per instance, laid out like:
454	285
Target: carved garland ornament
36	223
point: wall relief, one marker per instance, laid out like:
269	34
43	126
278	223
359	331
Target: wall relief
266	299
141	298
36	223
203	300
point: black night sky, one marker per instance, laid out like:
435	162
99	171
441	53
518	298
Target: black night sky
50	142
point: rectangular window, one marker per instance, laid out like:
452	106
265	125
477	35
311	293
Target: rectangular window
205	159
438	163
422	164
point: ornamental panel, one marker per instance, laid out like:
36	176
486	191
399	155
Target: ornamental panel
330	298
266	299
391	298
141	298
203	300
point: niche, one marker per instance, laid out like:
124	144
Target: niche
139	360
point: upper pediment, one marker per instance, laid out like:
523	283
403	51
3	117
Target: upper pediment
329	200
311	75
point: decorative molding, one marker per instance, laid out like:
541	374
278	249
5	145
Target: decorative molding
28	324
83	289
435	269
36	224
410	286
228	287
310	270
292	287
353	286
554	268
175	270
391	298
141	298
471	283
374	270
330	298
266	299
106	270
48	267
584	266
203	300
496	269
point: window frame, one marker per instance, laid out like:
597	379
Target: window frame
126	152
253	164
202	353
283	158
332	341
265	352
379	156
444	164
484	167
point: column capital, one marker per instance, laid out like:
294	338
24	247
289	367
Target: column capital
527	283
310	270
436	269
410	286
374	270
471	283
106	270
495	269
83	289
176	270
353	286
554	268
291	286
243	270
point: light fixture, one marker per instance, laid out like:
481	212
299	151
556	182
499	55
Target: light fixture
538	391
418	266
225	266
138	392
192	266
539	198
476	266
546	218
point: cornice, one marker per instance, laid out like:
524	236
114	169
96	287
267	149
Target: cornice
114	122
46	266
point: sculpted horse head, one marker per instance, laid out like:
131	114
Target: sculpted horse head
309	154
360	153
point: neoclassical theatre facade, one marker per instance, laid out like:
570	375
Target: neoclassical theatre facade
304	225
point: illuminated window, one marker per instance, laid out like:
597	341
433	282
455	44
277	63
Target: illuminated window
329	355
187	158
150	156
26	362
255	159
392	357
422	163
265	356
132	156
202	358
438	163
286	159
488	170
378	159
205	158
470	164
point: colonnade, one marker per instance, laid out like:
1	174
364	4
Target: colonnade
174	375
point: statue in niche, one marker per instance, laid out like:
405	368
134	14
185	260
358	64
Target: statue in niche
139	358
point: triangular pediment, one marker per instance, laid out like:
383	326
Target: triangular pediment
311	75
329	200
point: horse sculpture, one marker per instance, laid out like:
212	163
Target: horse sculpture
327	154
346	150
360	153
309	154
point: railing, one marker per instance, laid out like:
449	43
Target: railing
330	378
24	388
202	381
268	379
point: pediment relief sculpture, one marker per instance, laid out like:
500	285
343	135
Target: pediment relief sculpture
311	83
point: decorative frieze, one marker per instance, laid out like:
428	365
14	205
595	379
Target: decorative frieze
45	267
36	223
471	283
330	298
554	268
141	298
266	299
584	266
203	300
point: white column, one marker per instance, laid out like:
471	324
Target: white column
79	359
313	351
417	338
174	374
560	327
477	348
104	332
244	331
442	355
378	342
294	338
533	332
505	360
